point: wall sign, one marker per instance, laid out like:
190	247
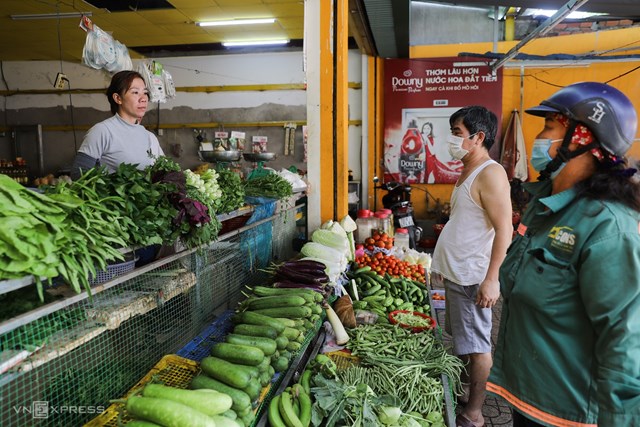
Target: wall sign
420	96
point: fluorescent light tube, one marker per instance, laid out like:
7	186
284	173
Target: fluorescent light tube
255	43
236	22
50	15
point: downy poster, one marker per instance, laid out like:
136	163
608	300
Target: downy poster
419	97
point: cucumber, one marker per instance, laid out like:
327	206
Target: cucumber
265	378
209	404
229	414
248	418
291	333
281	342
257	303
253	389
256	330
253	371
294	346
264	365
290	312
240	399
166	412
286	322
267	345
280	364
315	308
264	291
252	318
226	372
236	353
224	421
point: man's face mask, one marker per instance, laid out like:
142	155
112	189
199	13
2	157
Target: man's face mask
540	157
454	144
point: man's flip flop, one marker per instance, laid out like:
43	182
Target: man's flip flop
462	421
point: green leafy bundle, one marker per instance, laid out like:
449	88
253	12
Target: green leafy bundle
31	229
195	222
272	185
232	191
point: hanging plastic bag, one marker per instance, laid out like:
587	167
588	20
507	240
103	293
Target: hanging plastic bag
122	59
99	49
153	81
169	86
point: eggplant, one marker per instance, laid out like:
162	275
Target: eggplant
298	276
308	266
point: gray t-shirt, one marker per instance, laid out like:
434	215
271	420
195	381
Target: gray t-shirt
114	141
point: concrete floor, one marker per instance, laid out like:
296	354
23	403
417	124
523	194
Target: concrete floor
496	412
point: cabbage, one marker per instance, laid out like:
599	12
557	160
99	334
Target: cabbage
389	415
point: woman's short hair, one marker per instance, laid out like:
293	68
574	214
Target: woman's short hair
120	83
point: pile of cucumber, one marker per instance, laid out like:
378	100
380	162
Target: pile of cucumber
268	331
384	294
164	406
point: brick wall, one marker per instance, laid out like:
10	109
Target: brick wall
525	25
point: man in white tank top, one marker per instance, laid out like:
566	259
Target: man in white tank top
471	248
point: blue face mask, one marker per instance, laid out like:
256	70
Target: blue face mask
540	157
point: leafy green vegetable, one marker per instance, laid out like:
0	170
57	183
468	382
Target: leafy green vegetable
271	185
232	191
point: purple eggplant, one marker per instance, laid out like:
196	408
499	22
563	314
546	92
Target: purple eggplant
298	276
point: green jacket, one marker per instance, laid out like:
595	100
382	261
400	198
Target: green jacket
568	350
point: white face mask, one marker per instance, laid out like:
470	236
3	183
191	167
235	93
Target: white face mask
454	144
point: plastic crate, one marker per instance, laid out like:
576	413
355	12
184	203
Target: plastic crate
343	359
171	370
199	347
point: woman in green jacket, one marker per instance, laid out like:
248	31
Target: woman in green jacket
568	351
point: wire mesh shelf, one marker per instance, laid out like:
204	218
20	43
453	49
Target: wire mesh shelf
62	363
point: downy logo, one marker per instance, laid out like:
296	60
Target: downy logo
407	83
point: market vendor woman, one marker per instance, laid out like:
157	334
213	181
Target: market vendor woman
120	138
568	350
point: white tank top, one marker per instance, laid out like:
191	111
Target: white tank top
463	250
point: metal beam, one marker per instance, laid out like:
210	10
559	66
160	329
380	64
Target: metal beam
541	30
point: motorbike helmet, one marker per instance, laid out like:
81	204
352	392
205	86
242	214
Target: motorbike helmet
606	111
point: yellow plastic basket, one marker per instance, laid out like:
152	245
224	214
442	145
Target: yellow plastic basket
171	370
342	359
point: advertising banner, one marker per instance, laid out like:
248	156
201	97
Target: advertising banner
420	96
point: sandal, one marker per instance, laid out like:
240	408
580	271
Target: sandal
462	421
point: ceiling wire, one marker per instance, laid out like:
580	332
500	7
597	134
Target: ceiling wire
207	72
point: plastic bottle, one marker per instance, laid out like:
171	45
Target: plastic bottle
401	239
412	156
389	212
364	223
383	222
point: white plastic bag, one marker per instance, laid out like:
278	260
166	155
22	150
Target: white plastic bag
169	86
99	49
294	179
153	81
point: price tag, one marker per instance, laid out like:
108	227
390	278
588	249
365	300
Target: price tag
405	222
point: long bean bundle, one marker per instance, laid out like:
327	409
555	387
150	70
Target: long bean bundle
411	364
418	392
